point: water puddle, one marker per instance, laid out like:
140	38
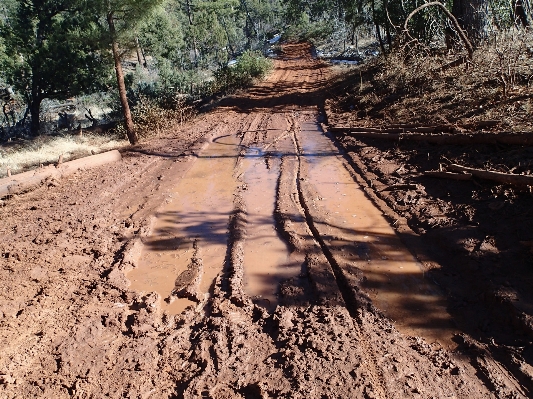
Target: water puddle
360	237
266	256
190	234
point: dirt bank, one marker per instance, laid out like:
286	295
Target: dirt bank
237	258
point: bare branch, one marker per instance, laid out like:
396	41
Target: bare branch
450	16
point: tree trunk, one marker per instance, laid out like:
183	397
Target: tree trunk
193	37
130	131
231	48
387	24
139	53
35	110
353	35
249	28
520	13
378	33
472	15
35	98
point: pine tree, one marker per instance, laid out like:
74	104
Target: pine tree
123	18
51	51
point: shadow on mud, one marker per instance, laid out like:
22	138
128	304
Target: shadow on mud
408	299
475	230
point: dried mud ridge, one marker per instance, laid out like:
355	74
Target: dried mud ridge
249	178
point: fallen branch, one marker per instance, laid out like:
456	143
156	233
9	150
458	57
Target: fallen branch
417	128
451	65
445	138
400	187
449	175
394	129
95	129
506	178
480	124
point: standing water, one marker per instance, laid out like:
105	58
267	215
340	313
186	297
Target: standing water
199	213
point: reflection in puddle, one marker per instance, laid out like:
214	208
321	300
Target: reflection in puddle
202	203
360	238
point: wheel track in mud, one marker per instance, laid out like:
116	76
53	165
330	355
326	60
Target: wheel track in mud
251	129
237	234
352	303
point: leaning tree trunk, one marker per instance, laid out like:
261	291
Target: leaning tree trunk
130	131
472	15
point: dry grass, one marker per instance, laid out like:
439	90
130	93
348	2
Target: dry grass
150	117
21	156
421	86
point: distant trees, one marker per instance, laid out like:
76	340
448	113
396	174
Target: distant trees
56	49
60	49
476	17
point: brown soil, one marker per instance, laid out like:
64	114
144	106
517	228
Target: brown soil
241	257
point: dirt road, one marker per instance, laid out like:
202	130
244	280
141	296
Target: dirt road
237	258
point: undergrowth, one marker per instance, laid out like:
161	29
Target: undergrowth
423	86
249	67
158	109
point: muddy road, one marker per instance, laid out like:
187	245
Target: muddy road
237	258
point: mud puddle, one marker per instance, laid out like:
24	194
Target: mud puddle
266	256
360	238
187	248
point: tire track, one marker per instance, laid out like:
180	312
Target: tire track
351	301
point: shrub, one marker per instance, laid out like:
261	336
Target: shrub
153	116
249	67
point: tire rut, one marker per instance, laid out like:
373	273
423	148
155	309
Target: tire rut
352	302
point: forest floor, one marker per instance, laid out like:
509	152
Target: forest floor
252	254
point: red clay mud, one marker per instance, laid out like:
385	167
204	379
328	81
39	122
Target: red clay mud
213	263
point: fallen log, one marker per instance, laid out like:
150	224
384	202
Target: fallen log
400	187
506	178
394	129
448	175
29	180
417	127
444	138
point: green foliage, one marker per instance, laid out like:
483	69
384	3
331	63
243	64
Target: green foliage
306	30
162	36
51	51
249	67
48	45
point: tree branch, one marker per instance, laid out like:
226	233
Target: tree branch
450	16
